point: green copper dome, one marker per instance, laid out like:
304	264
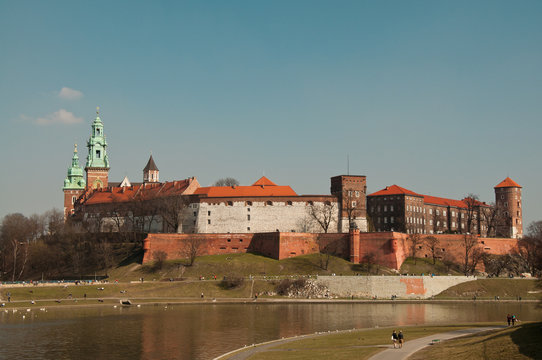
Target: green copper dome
75	179
97	145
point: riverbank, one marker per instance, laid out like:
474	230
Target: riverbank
348	344
190	291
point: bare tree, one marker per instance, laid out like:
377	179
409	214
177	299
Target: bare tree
191	249
471	200
17	232
369	260
170	209
432	244
497	264
159	259
415	242
492	217
471	253
323	214
530	248
227	181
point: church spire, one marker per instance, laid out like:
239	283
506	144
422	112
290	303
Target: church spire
74	180
97	165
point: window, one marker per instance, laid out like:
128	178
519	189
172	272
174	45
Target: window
430	211
438	212
209	221
385	208
392	219
98	153
74	199
378	208
444	212
453	213
289	203
208	213
248	203
453	223
195	213
229	240
350	193
385	219
248	217
248	209
462	225
391	207
354	204
248	228
430	222
438	223
240	240
357	193
270	203
229	203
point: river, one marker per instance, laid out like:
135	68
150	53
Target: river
205	331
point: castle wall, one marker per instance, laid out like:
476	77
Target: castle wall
254	216
388	249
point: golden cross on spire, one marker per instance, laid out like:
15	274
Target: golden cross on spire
75	150
97	110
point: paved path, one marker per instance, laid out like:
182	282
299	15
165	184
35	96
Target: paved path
410	347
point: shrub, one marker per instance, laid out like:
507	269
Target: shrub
231	282
286	286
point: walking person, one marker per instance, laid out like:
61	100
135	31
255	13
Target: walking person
401	339
394	338
509	319
514	320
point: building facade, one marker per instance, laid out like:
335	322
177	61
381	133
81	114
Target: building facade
395	208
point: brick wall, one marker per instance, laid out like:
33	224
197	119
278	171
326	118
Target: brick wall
389	249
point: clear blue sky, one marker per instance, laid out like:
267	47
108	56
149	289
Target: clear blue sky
441	97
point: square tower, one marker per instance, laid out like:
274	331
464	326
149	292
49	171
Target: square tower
351	191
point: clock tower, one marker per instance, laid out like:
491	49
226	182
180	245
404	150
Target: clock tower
97	166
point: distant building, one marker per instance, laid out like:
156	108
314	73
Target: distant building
398	209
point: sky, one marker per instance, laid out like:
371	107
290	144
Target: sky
440	97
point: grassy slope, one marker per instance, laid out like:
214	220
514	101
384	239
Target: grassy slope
425	266
237	265
350	345
489	288
520	342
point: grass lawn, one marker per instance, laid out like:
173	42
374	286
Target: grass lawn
520	342
357	344
239	265
425	266
112	292
489	288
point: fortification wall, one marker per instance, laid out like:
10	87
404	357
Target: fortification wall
383	287
389	249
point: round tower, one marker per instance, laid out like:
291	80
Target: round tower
508	202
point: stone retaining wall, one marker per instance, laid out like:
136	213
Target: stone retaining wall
383	287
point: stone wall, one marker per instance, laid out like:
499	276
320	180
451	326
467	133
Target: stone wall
383	287
288	214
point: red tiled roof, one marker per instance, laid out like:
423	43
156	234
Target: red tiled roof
244	191
434	200
264	181
394	190
507	183
128	193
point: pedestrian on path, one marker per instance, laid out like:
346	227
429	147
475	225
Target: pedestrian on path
394	338
508	319
401	339
514	320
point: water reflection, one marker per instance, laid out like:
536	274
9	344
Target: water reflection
204	331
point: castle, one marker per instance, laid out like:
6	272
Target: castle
185	207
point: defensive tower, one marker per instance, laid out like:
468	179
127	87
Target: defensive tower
508	202
150	172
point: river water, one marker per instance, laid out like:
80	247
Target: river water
207	330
